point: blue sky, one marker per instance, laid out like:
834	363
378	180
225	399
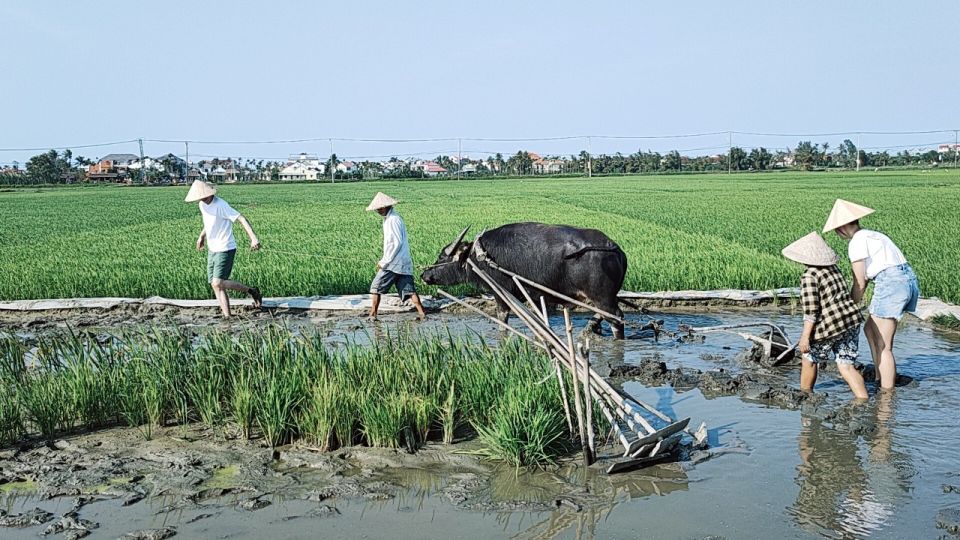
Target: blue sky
79	73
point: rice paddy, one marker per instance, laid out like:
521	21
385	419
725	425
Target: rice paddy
277	387
679	232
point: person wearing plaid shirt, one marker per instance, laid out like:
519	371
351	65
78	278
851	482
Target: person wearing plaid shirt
831	320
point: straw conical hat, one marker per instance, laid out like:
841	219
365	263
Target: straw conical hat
844	212
811	250
200	190
382	200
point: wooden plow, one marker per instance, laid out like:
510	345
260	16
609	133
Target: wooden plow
653	325
646	434
774	344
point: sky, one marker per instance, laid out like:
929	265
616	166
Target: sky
79	73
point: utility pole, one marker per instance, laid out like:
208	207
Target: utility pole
729	152
956	149
858	152
333	166
459	157
142	165
589	157
186	161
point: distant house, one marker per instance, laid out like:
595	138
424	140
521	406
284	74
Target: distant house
217	174
947	148
302	167
301	171
432	168
469	168
347	167
547	166
111	166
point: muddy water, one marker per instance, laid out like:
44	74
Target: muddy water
884	469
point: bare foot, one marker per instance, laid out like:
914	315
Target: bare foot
257	297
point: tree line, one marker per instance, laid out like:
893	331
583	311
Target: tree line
53	167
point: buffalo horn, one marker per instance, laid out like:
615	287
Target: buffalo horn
453	246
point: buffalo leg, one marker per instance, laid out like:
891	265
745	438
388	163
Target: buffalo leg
594	325
503	312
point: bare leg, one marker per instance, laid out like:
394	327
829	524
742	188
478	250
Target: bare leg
808	375
874	340
887	368
415	298
222	298
374	306
854	380
233	285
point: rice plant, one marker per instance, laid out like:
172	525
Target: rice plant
404	390
526	427
45	401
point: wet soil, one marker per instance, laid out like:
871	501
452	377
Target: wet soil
764	474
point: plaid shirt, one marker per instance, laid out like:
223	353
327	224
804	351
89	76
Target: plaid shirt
827	303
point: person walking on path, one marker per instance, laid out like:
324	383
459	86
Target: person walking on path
831	319
396	266
217	235
876	258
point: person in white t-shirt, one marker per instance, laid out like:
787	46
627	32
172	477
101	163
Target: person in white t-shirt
395	268
217	235
876	258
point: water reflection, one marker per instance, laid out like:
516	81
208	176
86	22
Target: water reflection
847	490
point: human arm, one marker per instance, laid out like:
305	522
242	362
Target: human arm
810	299
201	240
859	281
254	241
804	344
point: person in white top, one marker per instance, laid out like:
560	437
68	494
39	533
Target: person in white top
217	235
876	258
395	268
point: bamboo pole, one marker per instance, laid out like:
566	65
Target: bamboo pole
556	364
581	424
500	323
589	399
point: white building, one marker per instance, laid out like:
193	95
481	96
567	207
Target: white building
303	167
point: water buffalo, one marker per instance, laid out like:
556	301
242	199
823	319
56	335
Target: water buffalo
581	263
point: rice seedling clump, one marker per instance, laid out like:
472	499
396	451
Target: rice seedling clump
402	391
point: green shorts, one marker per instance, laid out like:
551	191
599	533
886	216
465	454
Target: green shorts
220	264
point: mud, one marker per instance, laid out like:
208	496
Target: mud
196	483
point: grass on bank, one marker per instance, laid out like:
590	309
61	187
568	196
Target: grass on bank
950	322
273	385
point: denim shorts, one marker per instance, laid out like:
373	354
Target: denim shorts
843	348
386	279
896	291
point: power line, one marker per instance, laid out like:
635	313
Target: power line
71	147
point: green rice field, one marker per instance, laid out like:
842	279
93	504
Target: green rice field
679	232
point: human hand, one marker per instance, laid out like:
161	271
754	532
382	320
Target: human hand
254	244
200	242
804	345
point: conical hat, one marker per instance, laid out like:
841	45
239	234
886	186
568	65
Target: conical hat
844	212
811	250
200	190
382	200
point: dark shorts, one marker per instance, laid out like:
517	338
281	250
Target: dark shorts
220	264
386	279
843	348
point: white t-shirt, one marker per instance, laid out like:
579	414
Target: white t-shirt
876	249
218	218
396	247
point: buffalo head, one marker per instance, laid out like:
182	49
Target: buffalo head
450	266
